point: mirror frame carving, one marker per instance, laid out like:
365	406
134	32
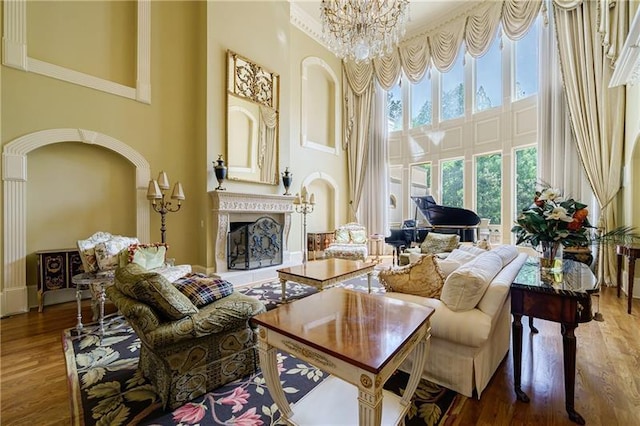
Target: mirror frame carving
253	83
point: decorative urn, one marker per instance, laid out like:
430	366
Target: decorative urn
221	172
287	178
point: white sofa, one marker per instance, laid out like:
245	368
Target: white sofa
468	345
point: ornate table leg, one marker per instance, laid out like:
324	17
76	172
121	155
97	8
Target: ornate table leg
369	404
420	357
516	330
369	281
283	283
569	350
533	329
101	315
269	366
632	267
79	303
619	252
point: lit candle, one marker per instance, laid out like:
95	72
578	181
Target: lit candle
296	199
312	199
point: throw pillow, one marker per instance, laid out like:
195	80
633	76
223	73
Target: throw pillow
422	278
342	236
461	256
464	288
471	249
438	243
86	248
149	256
202	289
154	290
447	266
107	251
358	236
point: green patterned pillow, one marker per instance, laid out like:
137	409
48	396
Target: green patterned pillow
358	236
439	243
154	290
342	236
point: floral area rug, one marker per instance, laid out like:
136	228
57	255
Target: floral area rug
107	389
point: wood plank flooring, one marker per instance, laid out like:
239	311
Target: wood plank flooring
33	386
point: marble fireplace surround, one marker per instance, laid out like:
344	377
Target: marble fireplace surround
233	207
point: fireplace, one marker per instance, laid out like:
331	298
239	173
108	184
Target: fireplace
231	208
252	245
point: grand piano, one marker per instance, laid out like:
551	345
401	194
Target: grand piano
442	219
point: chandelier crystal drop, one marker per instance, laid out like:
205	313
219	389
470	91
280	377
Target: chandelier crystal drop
363	29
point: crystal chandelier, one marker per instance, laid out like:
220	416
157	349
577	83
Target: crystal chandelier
363	29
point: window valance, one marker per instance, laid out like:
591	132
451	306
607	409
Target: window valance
476	26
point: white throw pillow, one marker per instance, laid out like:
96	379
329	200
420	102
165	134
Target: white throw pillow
465	286
107	252
471	249
461	256
506	252
447	266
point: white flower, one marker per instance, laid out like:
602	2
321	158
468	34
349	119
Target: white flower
551	194
558	213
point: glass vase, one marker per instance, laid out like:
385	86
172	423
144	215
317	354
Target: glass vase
550	255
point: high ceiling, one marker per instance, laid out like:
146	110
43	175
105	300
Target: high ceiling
423	13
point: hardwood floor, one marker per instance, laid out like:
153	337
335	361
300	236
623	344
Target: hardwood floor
33	387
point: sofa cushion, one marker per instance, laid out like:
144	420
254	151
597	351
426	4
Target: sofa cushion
358	236
154	290
107	251
476	251
470	328
438	243
506	252
464	288
447	266
422	278
202	289
342	236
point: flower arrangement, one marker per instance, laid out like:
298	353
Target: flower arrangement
552	219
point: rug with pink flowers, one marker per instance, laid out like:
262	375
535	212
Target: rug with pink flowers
107	389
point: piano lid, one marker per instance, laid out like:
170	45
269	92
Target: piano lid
438	215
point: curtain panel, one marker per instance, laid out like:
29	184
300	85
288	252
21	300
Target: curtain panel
589	38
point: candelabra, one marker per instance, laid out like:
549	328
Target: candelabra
304	204
156	192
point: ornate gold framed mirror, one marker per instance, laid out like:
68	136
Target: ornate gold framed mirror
253	98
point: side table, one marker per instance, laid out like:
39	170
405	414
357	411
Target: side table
631	252
96	282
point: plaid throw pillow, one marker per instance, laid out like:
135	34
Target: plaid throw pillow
202	289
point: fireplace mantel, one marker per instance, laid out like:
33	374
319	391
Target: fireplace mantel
234	205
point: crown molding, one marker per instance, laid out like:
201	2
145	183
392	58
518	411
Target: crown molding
306	23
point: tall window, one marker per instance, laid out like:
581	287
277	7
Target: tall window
421	179
489	187
394	108
421	105
488	83
452	180
526	64
452	90
526	170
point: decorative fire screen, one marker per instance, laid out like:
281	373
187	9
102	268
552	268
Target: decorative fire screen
253	245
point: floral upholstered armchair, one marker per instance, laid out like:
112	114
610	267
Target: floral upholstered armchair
350	243
195	332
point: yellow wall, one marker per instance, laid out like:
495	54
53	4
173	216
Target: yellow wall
76	189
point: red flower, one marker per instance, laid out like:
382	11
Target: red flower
189	413
249	418
238	398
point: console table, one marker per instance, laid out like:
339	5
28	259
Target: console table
319	241
631	252
563	296
55	269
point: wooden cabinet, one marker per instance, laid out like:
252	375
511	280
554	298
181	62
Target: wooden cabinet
55	269
318	241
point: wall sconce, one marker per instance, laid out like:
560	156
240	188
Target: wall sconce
156	192
304	205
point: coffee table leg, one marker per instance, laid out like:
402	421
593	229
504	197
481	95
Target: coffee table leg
369	281
269	367
283	283
369	405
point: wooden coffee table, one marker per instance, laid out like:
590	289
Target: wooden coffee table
323	273
358	338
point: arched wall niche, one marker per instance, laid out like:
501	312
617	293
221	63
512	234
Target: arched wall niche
13	294
328	195
320	109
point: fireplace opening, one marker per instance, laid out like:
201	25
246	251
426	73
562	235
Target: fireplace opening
253	245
